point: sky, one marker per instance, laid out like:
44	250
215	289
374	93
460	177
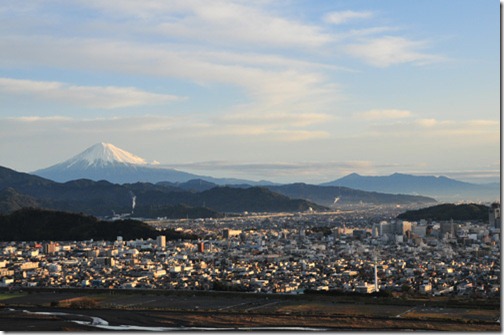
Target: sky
284	90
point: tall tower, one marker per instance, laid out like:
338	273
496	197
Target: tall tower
376	285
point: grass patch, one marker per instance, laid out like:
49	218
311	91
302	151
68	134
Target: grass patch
6	296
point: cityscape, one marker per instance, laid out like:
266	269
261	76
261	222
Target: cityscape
250	166
275	254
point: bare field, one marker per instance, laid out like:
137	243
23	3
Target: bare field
227	310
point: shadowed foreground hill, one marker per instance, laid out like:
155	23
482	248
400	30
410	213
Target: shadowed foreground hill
42	225
447	212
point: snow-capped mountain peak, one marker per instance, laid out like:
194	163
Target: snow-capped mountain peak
102	154
104	161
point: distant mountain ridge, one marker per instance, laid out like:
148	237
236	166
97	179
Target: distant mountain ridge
441	188
337	195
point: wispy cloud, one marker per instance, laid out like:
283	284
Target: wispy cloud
345	16
262	132
183	40
384	114
222	22
287	119
39	118
363	32
391	50
106	97
427	123
456	130
102	125
276	87
178	127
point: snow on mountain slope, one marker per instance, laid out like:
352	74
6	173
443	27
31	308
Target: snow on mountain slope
104	161
103	154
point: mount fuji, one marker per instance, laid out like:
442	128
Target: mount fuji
104	161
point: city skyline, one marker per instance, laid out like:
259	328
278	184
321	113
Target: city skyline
284	91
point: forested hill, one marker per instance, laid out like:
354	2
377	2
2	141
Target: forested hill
447	212
101	198
43	225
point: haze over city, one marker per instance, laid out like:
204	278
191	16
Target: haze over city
278	90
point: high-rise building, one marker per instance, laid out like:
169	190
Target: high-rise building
447	227
161	241
494	216
401	227
398	227
49	248
386	228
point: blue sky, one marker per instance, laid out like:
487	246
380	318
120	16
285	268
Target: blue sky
279	90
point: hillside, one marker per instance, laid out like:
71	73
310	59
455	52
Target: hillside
10	201
445	212
221	199
193	185
321	195
175	212
42	225
253	199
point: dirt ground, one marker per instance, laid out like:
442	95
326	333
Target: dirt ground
171	311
